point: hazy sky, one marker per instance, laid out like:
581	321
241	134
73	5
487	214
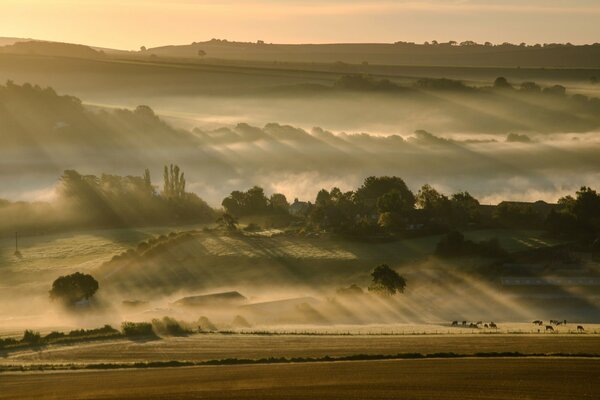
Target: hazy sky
129	24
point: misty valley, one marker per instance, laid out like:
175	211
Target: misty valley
223	210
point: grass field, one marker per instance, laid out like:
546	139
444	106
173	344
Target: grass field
215	347
406	379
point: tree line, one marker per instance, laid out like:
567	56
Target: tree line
385	205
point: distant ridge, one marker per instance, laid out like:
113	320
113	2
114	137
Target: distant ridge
7	41
400	53
59	49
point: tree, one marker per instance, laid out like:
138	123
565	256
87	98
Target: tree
72	288
465	208
174	182
387	281
148	181
556	90
434	204
143	48
201	53
278	203
375	187
530	87
502	83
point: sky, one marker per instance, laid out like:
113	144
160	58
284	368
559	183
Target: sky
129	24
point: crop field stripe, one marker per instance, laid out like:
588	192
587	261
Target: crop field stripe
285	360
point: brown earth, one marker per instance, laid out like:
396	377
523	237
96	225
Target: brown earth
407	379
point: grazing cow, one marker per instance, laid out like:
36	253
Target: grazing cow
454	323
493	325
538	322
485	326
474	326
549	328
580	328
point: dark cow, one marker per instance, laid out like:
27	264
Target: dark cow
580	328
549	328
493	325
454	323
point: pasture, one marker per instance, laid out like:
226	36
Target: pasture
205	347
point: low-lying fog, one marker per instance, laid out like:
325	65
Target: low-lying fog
298	163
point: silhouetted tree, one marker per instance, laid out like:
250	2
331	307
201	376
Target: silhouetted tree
174	182
375	187
387	281
502	83
72	288
278	203
435	205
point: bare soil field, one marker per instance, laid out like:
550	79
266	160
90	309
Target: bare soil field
407	379
217	346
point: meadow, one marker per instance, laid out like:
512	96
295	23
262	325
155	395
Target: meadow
208	347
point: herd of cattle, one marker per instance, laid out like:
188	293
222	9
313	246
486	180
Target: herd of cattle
492	325
475	325
550	328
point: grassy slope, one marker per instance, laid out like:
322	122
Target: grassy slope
215	260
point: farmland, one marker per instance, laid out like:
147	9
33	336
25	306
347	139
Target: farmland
207	347
409	379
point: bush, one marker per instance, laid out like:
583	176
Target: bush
169	326
137	329
31	337
454	244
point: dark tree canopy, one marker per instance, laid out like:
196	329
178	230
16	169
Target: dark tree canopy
375	187
387	281
73	288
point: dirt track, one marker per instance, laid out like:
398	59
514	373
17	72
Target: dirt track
407	379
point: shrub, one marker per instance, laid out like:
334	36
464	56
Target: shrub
137	329
169	326
31	337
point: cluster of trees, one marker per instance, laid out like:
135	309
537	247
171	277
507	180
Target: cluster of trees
386	204
366	83
111	200
471	43
577	216
254	202
382	204
385	281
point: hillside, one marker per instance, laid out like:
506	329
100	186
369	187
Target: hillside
7	41
401	53
207	260
50	49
